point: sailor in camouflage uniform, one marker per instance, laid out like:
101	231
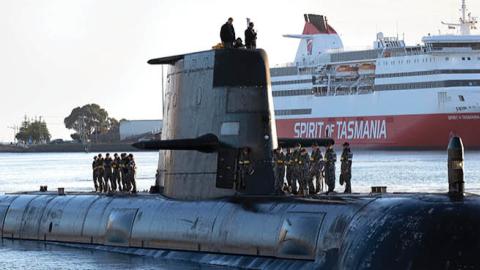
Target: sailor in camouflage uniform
244	168
316	170
346	168
116	164
304	171
330	159
95	173
297	174
289	168
279	169
131	173
124	171
108	173
100	171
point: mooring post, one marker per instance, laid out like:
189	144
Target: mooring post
456	182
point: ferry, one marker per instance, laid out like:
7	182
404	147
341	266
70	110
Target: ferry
390	96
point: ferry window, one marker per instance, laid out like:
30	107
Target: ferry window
463	58
447	58
468	58
461	98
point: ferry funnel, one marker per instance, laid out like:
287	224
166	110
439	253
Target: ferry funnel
317	38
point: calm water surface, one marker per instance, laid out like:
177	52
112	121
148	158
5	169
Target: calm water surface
400	171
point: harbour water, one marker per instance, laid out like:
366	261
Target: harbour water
400	171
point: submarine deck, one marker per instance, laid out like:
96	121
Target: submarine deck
313	232
321	197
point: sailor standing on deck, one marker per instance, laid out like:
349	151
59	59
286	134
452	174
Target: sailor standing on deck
304	169
279	169
316	170
95	173
124	170
132	169
108	173
250	37
296	175
346	168
330	159
244	168
289	167
100	170
116	165
227	34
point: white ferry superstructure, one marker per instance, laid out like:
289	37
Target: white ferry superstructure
390	96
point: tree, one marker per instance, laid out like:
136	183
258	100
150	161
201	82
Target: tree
33	132
90	122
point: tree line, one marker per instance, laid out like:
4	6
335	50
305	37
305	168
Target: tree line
90	122
33	132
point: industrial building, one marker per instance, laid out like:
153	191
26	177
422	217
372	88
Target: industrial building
134	129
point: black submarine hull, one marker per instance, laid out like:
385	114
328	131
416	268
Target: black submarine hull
219	103
400	231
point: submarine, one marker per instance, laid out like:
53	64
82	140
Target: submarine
217	103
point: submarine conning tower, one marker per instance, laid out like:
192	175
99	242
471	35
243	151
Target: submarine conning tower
216	102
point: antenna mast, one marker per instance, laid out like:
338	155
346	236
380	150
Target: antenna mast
466	22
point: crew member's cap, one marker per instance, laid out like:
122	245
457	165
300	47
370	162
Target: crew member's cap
346	144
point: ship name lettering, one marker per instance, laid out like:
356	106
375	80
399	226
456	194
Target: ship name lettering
308	129
350	130
369	129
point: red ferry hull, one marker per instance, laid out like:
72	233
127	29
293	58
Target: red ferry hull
397	131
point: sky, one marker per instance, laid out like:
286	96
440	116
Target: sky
56	55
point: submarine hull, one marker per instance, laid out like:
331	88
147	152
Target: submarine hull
409	231
219	106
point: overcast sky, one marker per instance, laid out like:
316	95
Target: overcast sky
59	54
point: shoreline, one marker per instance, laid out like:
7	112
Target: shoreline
69	147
